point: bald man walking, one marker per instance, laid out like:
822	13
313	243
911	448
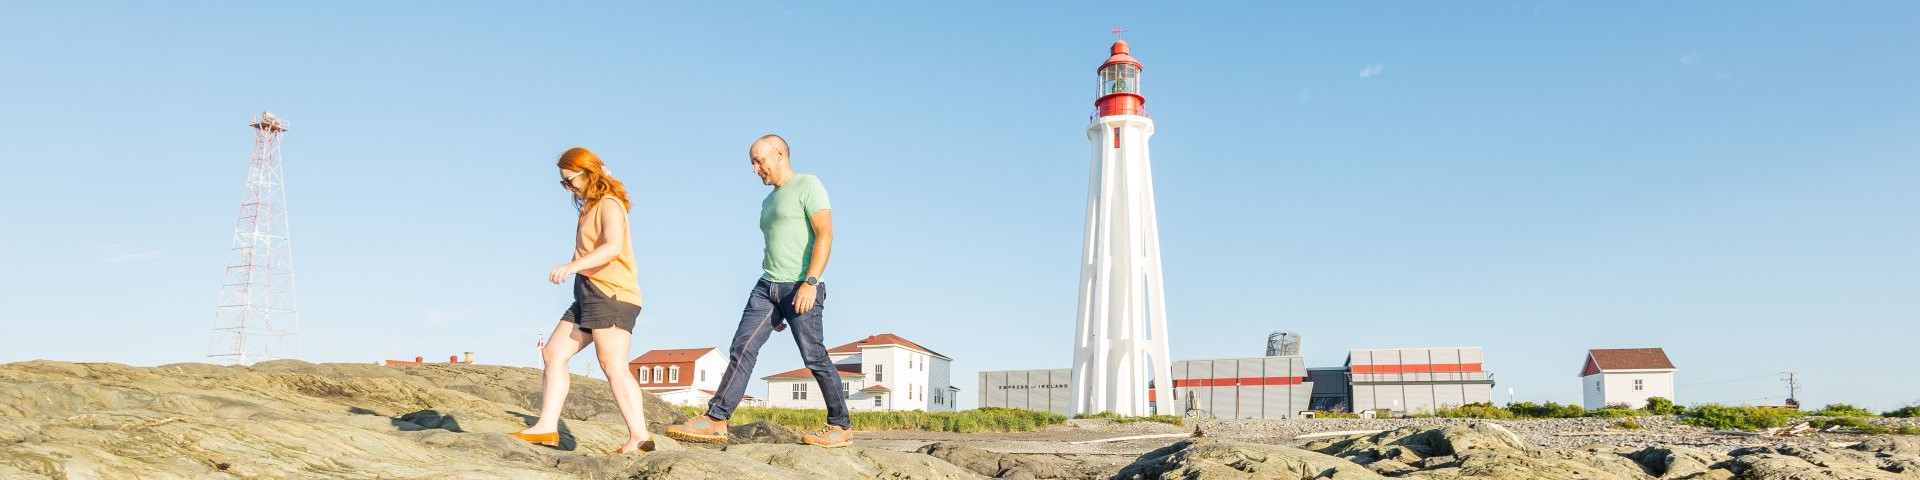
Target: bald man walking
797	222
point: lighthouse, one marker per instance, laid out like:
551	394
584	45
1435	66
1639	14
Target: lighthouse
1121	337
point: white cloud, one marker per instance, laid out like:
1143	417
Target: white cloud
122	254
1692	58
1372	70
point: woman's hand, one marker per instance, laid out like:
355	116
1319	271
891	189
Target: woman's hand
560	273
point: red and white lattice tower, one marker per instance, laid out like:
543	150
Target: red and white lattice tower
256	319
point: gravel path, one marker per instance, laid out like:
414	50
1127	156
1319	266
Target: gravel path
1566	433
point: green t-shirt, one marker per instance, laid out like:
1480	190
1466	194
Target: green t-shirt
784	219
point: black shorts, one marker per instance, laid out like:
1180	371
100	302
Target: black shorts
592	309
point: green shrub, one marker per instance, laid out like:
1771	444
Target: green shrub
1848	423
1335	415
1746	418
967	421
1907	430
1616	412
1166	419
1548	410
1473	410
1663	406
1842	410
1627	425
1909	411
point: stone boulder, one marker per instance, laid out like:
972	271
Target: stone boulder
1679	463
1030	466
853	462
1205	459
761	432
1801	462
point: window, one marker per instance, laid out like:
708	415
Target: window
939	399
703	375
879	373
909	391
658	375
876	400
800	390
1637	385
849	387
646	376
673	374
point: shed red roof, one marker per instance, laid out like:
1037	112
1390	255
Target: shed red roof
846	370
884	339
1603	359
876	389
678	355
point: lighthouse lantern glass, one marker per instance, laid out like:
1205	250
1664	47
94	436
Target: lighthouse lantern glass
1120	78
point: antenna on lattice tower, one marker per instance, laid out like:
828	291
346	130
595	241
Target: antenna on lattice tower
1793	387
256	318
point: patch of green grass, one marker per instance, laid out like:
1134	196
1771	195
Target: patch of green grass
1627	425
1335	415
1849	423
1473	410
1909	411
1617	412
1547	410
1842	410
1166	419
966	421
1907	430
1744	418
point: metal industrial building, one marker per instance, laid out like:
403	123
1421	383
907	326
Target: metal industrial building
1043	390
1401	380
1414	380
1259	387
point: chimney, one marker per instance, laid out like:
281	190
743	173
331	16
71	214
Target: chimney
469	357
419	359
454	359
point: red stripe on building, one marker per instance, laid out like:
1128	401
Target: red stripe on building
1243	382
1418	368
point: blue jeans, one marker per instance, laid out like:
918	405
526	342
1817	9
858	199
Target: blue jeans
771	304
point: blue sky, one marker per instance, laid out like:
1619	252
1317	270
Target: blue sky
1732	181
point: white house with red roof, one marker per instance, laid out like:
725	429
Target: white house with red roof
1614	376
880	372
683	376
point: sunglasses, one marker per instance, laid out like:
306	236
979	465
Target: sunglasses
567	182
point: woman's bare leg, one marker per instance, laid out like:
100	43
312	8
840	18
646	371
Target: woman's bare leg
567	340
612	350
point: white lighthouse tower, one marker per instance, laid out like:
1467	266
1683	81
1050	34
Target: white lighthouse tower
1121	339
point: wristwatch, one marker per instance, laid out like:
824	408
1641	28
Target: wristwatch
815	281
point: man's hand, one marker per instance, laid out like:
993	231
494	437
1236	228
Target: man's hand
803	299
560	273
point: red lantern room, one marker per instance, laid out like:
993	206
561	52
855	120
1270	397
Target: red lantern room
1120	84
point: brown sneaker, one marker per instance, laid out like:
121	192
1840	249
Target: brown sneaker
832	437
700	429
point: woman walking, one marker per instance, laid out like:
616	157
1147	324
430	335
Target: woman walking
606	302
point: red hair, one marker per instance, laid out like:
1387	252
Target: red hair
597	183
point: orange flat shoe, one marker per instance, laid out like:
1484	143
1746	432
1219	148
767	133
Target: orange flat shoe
551	439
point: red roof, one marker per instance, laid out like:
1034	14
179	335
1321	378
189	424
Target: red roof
846	370
884	339
876	388
677	355
1603	359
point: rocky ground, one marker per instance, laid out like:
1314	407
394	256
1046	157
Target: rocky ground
296	420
